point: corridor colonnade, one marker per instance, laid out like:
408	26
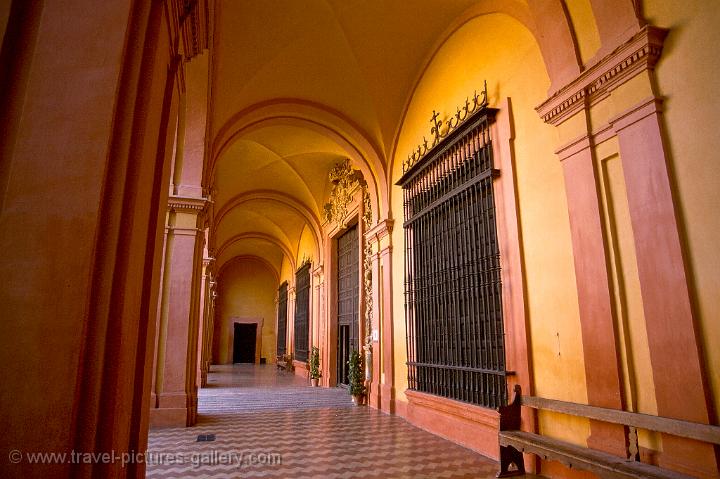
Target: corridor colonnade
167	165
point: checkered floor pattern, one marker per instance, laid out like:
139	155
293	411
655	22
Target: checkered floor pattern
270	424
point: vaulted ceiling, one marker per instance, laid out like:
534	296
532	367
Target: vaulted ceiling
296	87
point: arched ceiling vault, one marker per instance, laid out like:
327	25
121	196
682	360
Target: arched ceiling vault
270	178
283	201
297	87
310	129
259	245
259	259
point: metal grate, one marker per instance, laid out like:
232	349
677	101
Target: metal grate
302	312
282	319
348	285
453	299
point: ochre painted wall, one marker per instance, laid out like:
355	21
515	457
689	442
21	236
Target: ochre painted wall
82	213
687	77
286	272
306	248
247	289
513	68
583	23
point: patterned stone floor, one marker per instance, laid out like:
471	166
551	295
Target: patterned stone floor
270	424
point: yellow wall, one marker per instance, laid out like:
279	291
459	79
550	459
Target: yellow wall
583	23
286	273
247	289
306	248
498	49
687	76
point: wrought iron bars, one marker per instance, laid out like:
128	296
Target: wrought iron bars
453	290
282	319
302	312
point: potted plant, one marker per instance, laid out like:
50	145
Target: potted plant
356	378
315	374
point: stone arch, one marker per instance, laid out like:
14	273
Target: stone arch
248	257
255	236
286	200
362	151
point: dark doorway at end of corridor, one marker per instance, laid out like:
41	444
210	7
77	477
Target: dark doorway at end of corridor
244	343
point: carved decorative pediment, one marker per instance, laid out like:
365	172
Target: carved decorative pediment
345	182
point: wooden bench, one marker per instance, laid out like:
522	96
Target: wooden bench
513	441
285	362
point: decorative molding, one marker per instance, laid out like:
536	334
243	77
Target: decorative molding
381	230
345	182
650	106
451	124
318	275
367	284
574	147
192	23
209	268
639	53
187	204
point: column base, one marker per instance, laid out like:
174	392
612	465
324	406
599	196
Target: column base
174	410
387	399
170	417
374	396
301	369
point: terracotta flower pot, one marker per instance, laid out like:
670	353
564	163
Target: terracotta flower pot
314	382
357	399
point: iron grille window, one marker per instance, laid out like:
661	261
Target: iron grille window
452	264
282	319
302	312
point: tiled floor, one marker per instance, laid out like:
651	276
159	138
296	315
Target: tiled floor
272	425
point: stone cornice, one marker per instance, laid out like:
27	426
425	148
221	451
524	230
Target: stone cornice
318	271
639	53
187	204
208	261
379	231
191	25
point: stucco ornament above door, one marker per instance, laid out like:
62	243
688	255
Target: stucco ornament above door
345	182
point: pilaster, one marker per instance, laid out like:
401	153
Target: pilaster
680	388
599	335
379	239
177	353
616	99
